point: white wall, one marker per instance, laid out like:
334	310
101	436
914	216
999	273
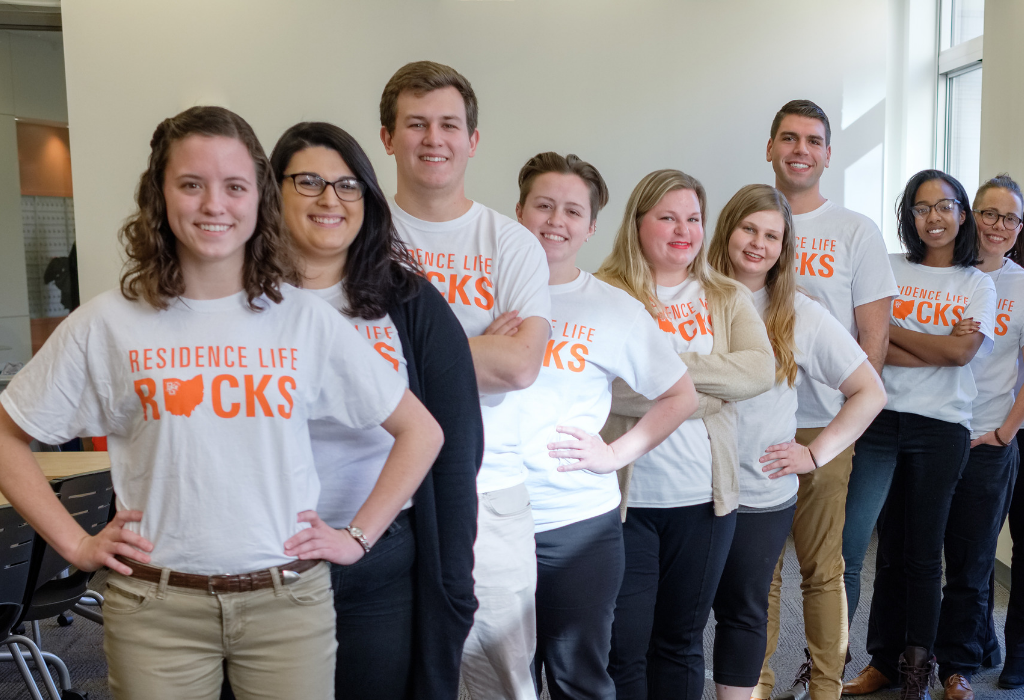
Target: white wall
631	86
31	87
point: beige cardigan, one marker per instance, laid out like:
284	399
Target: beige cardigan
741	365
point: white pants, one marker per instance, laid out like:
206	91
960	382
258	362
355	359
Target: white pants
500	647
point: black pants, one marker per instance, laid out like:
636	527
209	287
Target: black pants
373	600
929	456
579	571
1014	630
741	603
674	560
975	518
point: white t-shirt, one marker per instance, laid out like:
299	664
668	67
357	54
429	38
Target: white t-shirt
350	461
485	264
825	352
931	300
841	262
678	471
205	406
996	373
600	333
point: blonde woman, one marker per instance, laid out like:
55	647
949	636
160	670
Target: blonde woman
753	245
682	495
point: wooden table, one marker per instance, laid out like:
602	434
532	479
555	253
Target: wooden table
60	465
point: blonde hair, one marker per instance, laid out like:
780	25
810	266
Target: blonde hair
780	316
626	266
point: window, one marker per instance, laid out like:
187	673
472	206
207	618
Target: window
961	45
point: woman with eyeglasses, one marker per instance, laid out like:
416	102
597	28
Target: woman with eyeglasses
908	462
403	610
966	638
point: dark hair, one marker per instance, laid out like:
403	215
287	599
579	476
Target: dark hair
420	78
965	250
379	271
153	270
551	162
803	108
1003	181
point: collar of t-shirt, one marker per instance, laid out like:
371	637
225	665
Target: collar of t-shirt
436	226
825	207
212	306
566	287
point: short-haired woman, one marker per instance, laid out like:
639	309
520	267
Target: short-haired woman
909	460
966	638
682	495
600	333
754	245
405	608
203	371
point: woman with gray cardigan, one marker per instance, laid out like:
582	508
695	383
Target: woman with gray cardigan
682	496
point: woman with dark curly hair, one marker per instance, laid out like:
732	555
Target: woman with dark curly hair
404	610
203	371
909	460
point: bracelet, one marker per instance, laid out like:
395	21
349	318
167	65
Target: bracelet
813	460
999	439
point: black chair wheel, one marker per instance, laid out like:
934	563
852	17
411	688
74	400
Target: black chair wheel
64	620
74	695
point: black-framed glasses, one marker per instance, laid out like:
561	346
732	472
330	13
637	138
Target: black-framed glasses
943	206
348	189
991	217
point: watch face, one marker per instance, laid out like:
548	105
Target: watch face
356	532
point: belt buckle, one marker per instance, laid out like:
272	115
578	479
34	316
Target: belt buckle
210	582
288	577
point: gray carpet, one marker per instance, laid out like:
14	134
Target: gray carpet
81	647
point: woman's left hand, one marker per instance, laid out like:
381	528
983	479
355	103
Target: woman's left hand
590	450
787	458
321	541
988	438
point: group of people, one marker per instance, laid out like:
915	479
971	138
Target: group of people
471	459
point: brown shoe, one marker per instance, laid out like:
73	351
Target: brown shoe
958	688
869	681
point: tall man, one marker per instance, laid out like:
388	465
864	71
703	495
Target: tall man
487	266
841	260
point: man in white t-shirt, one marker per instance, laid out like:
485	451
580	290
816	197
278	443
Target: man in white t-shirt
490	269
841	261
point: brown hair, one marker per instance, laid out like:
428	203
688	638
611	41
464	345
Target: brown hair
153	270
626	266
1003	181
420	78
551	162
780	316
802	108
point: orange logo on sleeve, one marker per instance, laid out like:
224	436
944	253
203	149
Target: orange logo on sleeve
181	396
901	308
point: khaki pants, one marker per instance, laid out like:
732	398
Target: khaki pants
501	645
818	539
167	643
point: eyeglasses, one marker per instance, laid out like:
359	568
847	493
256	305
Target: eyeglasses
990	217
348	189
943	206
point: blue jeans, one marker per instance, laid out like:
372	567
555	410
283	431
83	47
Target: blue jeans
373	599
972	530
579	571
674	561
921	459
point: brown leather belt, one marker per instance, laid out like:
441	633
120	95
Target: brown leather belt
221	583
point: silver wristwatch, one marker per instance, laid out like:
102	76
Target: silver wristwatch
359	537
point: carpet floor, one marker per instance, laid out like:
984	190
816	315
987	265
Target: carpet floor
81	647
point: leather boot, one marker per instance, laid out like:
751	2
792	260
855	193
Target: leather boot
869	681
917	671
801	686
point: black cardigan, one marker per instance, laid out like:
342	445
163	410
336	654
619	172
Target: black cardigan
441	375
